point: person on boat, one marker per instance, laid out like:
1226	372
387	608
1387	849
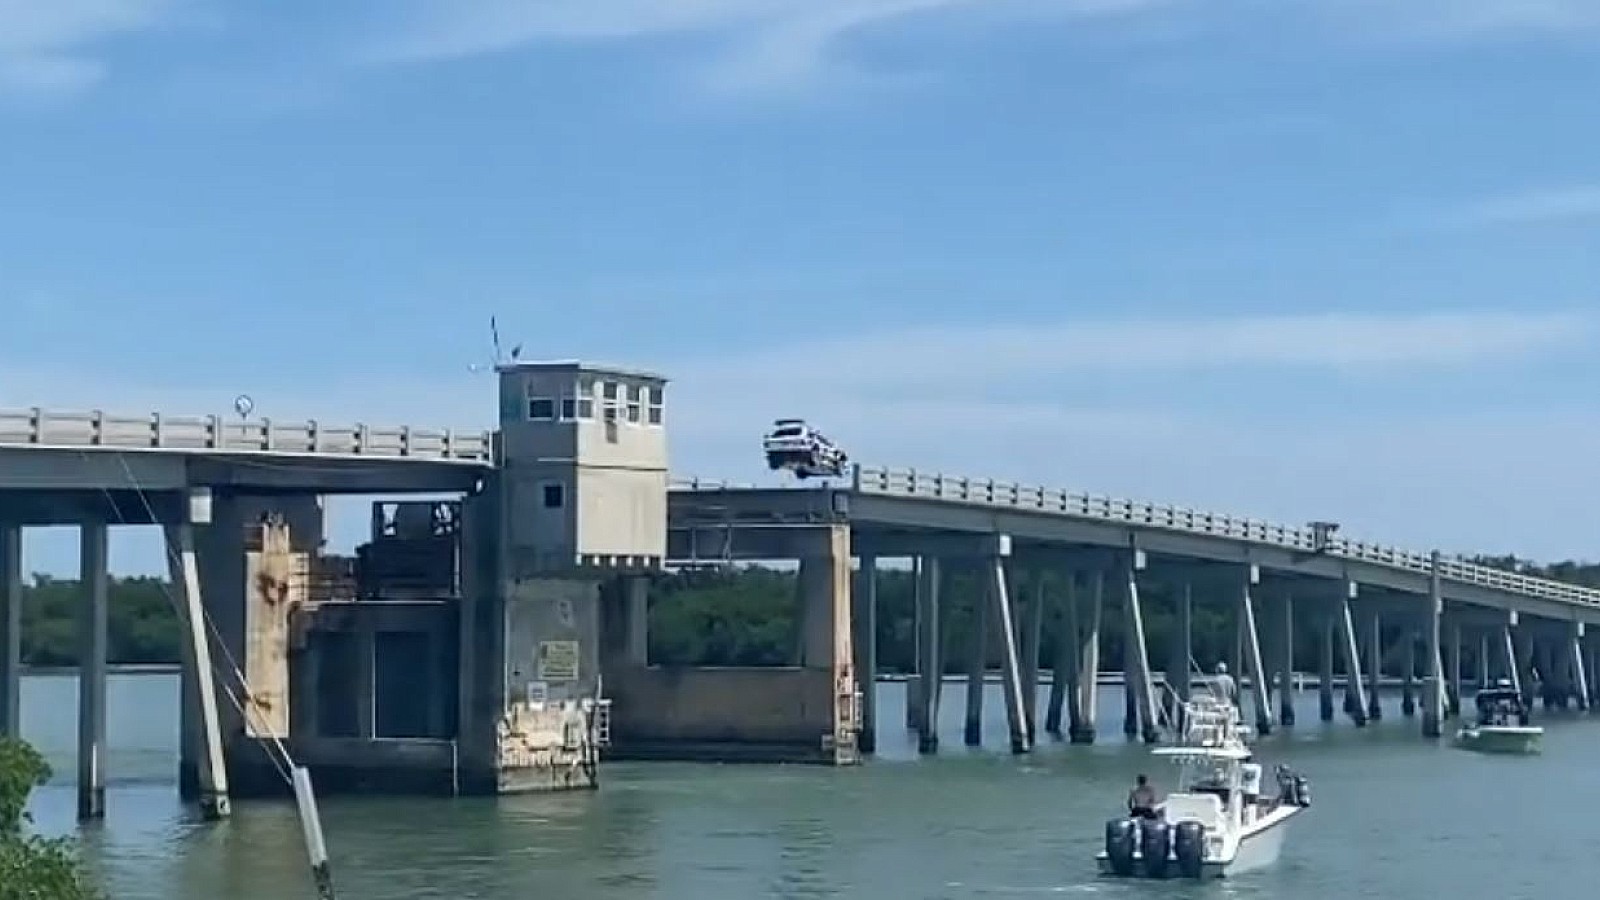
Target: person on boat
1142	799
1226	686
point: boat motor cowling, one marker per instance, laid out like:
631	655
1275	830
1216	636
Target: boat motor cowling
1189	846
1121	837
1155	843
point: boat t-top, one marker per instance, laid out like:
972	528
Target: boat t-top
1502	725
1218	822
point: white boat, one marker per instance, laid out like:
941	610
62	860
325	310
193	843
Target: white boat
1502	725
1217	823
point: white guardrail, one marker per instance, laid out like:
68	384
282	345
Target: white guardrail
55	428
988	492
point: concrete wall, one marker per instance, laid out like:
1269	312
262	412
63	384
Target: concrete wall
754	714
622	512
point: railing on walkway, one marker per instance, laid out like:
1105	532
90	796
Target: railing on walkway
55	428
988	492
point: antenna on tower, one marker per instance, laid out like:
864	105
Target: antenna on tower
494	335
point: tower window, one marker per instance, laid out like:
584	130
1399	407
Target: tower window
555	495
541	409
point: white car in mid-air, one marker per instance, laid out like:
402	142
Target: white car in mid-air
803	450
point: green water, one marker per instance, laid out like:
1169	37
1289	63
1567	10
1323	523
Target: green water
1394	816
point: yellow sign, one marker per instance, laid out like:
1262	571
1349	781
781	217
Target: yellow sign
558	660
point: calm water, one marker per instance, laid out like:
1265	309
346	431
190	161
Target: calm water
1394	816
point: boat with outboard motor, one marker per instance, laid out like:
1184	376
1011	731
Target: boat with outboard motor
1217	823
1502	725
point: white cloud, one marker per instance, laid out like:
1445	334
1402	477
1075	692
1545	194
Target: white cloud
764	43
963	355
1561	204
47	46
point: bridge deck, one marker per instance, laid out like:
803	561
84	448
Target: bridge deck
912	499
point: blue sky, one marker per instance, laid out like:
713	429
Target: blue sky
1296	259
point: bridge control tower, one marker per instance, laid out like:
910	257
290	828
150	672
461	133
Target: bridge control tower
579	499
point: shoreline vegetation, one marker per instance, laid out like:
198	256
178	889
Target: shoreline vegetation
737	616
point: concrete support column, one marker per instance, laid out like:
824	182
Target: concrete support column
1375	666
866	650
1086	693
1355	701
977	666
1453	664
1325	671
1137	648
1408	674
1580	672
1526	659
1032	634
914	680
184	573
1286	690
930	662
10	630
1482	661
1012	669
1063	669
830	644
92	617
1252	636
1433	709
637	616
1508	650
1182	652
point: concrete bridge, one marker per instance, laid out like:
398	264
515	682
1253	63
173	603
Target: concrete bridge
1077	564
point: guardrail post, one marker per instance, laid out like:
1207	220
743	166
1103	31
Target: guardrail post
213	433
157	435
36	426
361	439
97	428
313	436
448	443
266	434
405	440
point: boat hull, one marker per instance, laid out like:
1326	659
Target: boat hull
1257	848
1502	739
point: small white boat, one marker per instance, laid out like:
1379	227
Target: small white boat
1218	823
1502	725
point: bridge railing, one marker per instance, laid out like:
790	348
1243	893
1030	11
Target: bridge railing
58	428
1010	495
985	492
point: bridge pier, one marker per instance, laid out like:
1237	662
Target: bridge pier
10	630
930	660
1286	692
1433	711
1527	660
1508	650
1005	617
977	664
92	620
914	679
1142	686
1063	667
1375	666
1182	652
1408	674
1575	661
1032	635
1259	677
1325	669
1453	709
1085	698
865	639
1355	698
203	728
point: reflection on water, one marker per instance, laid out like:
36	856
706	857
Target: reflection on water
1395	816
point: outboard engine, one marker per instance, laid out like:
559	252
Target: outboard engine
1121	836
1189	846
1302	791
1154	844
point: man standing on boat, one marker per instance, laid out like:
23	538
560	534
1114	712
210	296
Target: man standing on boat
1142	799
1227	688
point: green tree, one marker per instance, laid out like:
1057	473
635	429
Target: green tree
33	867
